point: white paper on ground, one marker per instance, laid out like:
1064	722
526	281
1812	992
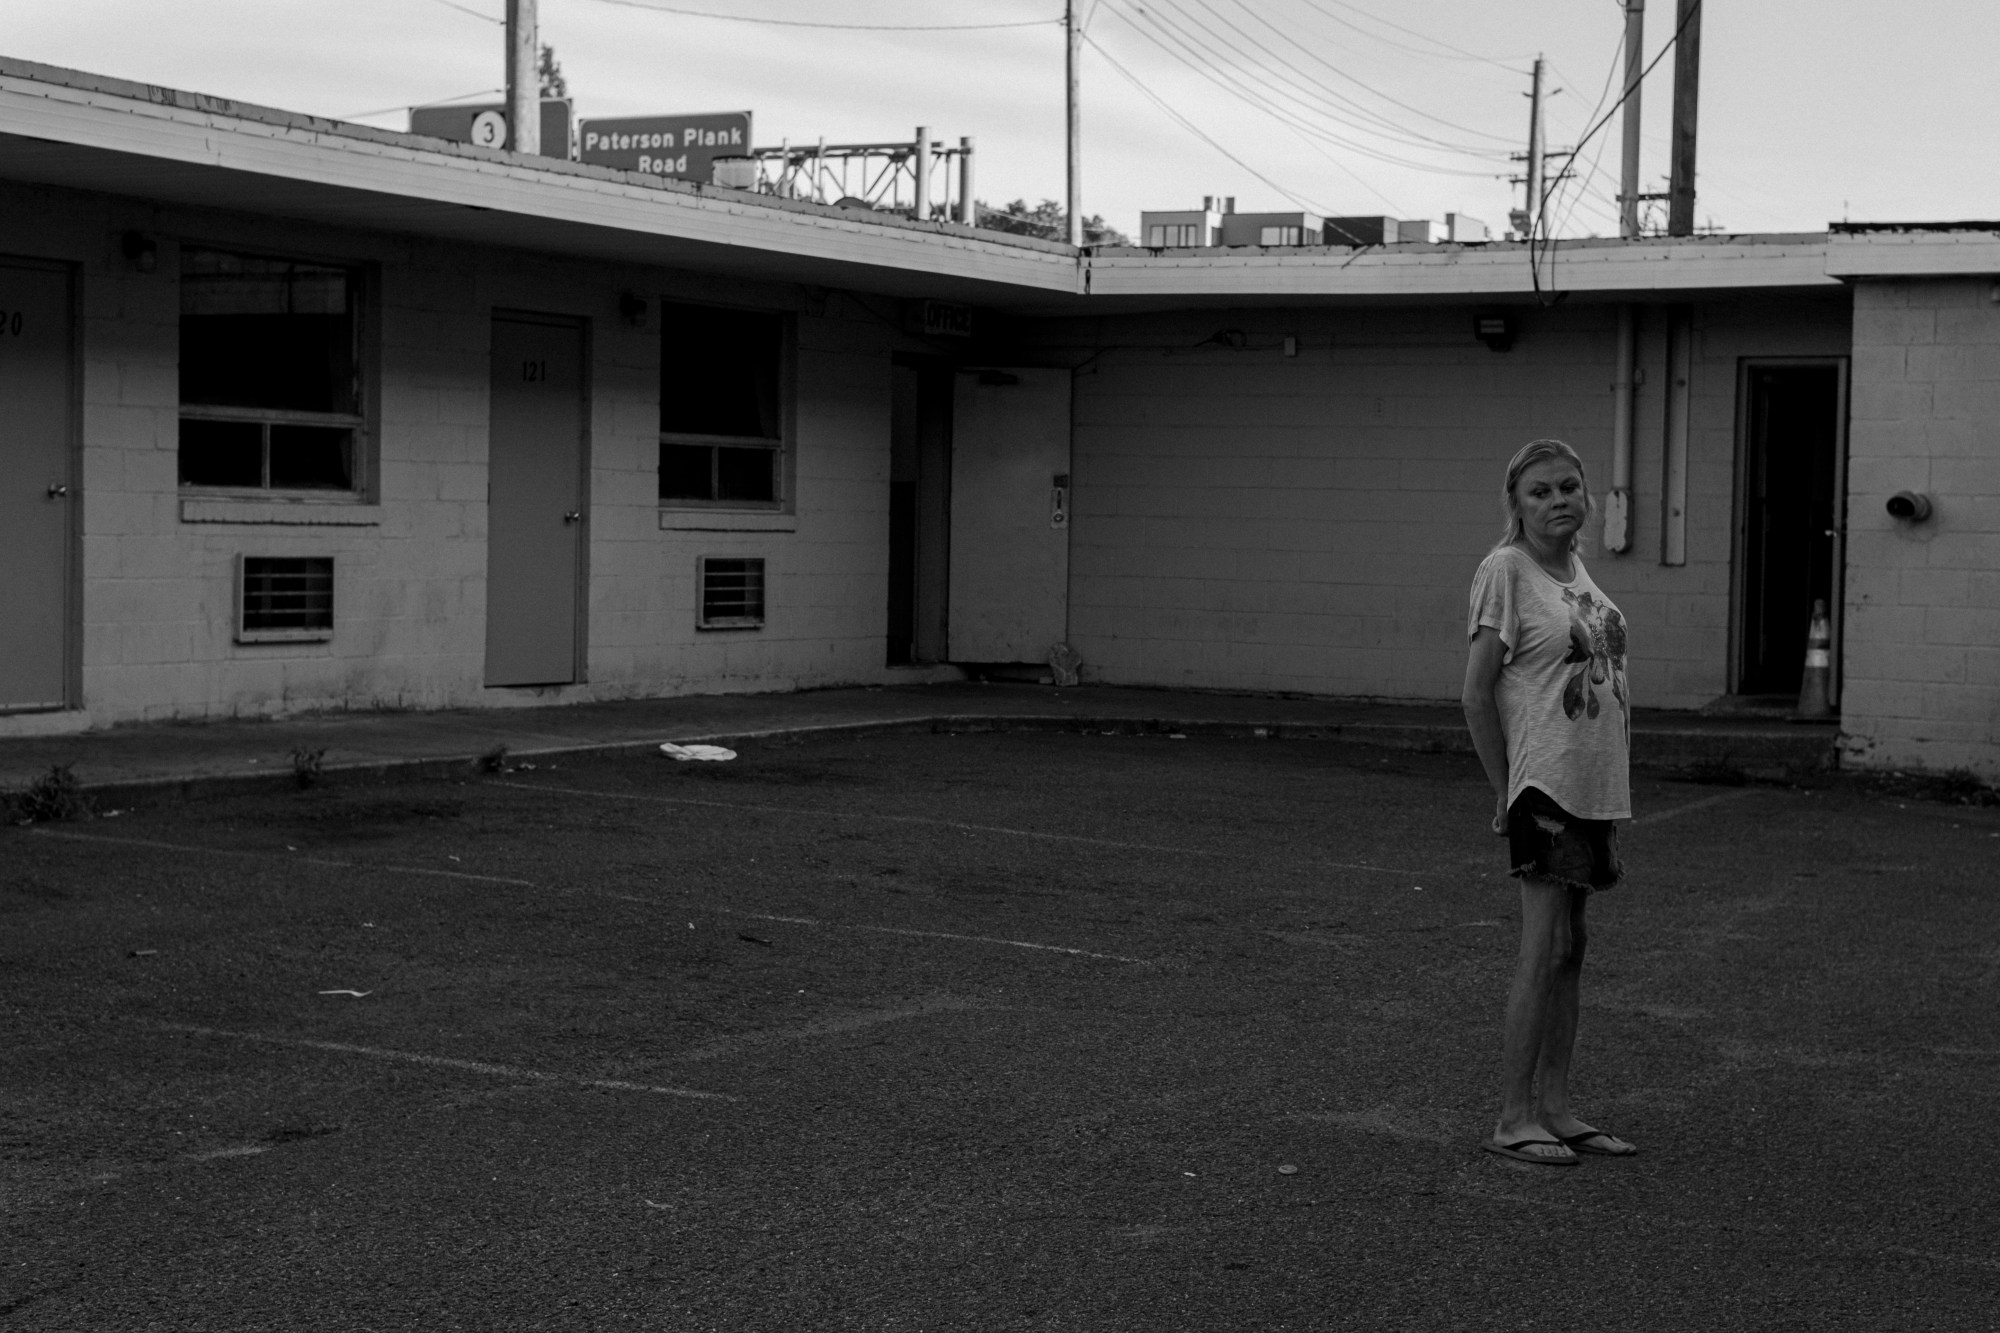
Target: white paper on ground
686	752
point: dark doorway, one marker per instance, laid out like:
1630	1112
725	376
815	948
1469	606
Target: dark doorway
1792	447
919	503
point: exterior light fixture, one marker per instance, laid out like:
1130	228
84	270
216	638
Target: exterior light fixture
1495	328
1909	506
142	252
632	309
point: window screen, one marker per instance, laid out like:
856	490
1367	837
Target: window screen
732	593
270	385
285	598
721	406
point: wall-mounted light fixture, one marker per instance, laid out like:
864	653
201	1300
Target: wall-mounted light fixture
141	251
632	309
1909	506
1495	328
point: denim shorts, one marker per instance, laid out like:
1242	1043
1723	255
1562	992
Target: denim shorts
1548	842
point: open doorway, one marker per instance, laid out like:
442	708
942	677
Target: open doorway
919	510
1794	441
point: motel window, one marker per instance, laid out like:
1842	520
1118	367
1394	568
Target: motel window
270	380
1175	233
1282	236
722	437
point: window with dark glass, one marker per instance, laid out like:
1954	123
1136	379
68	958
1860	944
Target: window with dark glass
721	406
270	383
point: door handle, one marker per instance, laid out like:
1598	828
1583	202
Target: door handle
573	516
59	491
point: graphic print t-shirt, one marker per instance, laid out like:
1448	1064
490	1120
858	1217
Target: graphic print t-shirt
1564	708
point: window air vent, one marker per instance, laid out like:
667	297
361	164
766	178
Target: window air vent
284	599
732	593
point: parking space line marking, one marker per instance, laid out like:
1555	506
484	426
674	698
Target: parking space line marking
328	863
1703	804
268	855
826	1027
928	934
759	808
439	1061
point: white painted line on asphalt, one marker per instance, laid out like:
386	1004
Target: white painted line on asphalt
291	859
436	1061
756	808
826	1027
928	934
1706	802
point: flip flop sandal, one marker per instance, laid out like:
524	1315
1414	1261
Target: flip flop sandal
1516	1151
1612	1147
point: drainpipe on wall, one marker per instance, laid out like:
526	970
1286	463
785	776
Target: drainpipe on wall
1618	505
1674	470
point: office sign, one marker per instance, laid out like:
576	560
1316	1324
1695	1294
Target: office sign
683	147
485	124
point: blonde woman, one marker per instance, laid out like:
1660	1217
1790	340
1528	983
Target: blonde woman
1546	702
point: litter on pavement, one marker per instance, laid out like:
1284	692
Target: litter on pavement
683	753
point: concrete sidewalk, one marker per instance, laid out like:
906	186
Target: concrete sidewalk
199	754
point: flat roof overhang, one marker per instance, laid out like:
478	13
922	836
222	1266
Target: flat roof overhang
83	132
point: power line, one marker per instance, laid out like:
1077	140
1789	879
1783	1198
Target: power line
465	9
845	27
1192	128
1221	76
1458	51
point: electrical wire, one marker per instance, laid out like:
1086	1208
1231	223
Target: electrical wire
1261	99
1458	52
845	27
466	9
1192	128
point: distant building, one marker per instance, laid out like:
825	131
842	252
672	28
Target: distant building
1188	227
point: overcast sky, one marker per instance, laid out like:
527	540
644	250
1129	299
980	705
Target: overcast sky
1811	110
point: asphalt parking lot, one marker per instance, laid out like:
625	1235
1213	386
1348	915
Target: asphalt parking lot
915	1032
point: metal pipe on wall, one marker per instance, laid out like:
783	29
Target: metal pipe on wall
524	90
1674	461
1618	505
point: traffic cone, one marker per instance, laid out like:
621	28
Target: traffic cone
1814	702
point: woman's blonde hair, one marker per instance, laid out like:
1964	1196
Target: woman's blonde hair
1533	452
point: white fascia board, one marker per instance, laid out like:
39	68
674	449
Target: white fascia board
1891	254
294	149
1442	273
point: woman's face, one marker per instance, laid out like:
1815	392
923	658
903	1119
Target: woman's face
1550	494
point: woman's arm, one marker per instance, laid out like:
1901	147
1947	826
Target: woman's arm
1482	715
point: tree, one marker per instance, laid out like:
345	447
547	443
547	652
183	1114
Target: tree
550	70
1048	220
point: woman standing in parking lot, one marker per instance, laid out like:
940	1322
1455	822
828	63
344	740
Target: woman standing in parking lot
1546	702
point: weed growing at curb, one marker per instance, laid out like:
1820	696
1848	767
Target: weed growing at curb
494	760
306	765
50	798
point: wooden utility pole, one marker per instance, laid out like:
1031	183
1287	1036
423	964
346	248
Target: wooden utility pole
1534	202
524	89
1635	68
1072	27
1687	87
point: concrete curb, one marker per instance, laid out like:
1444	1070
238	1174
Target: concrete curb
1763	754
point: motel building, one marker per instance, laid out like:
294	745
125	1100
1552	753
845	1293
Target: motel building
306	415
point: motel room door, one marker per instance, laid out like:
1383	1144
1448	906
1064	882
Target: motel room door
1794	435
1010	486
535	506
36	486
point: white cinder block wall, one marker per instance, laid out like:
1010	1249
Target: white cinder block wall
1246	520
158	570
1922	634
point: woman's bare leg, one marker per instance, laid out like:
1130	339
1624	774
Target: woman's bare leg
1559	1025
1544	934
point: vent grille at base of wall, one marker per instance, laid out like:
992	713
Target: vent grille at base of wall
284	599
732	593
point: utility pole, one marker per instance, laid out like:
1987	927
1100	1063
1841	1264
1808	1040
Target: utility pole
920	208
1534	202
1075	47
1687	87
524	89
1635	68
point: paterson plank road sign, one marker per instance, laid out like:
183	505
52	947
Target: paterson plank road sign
684	147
